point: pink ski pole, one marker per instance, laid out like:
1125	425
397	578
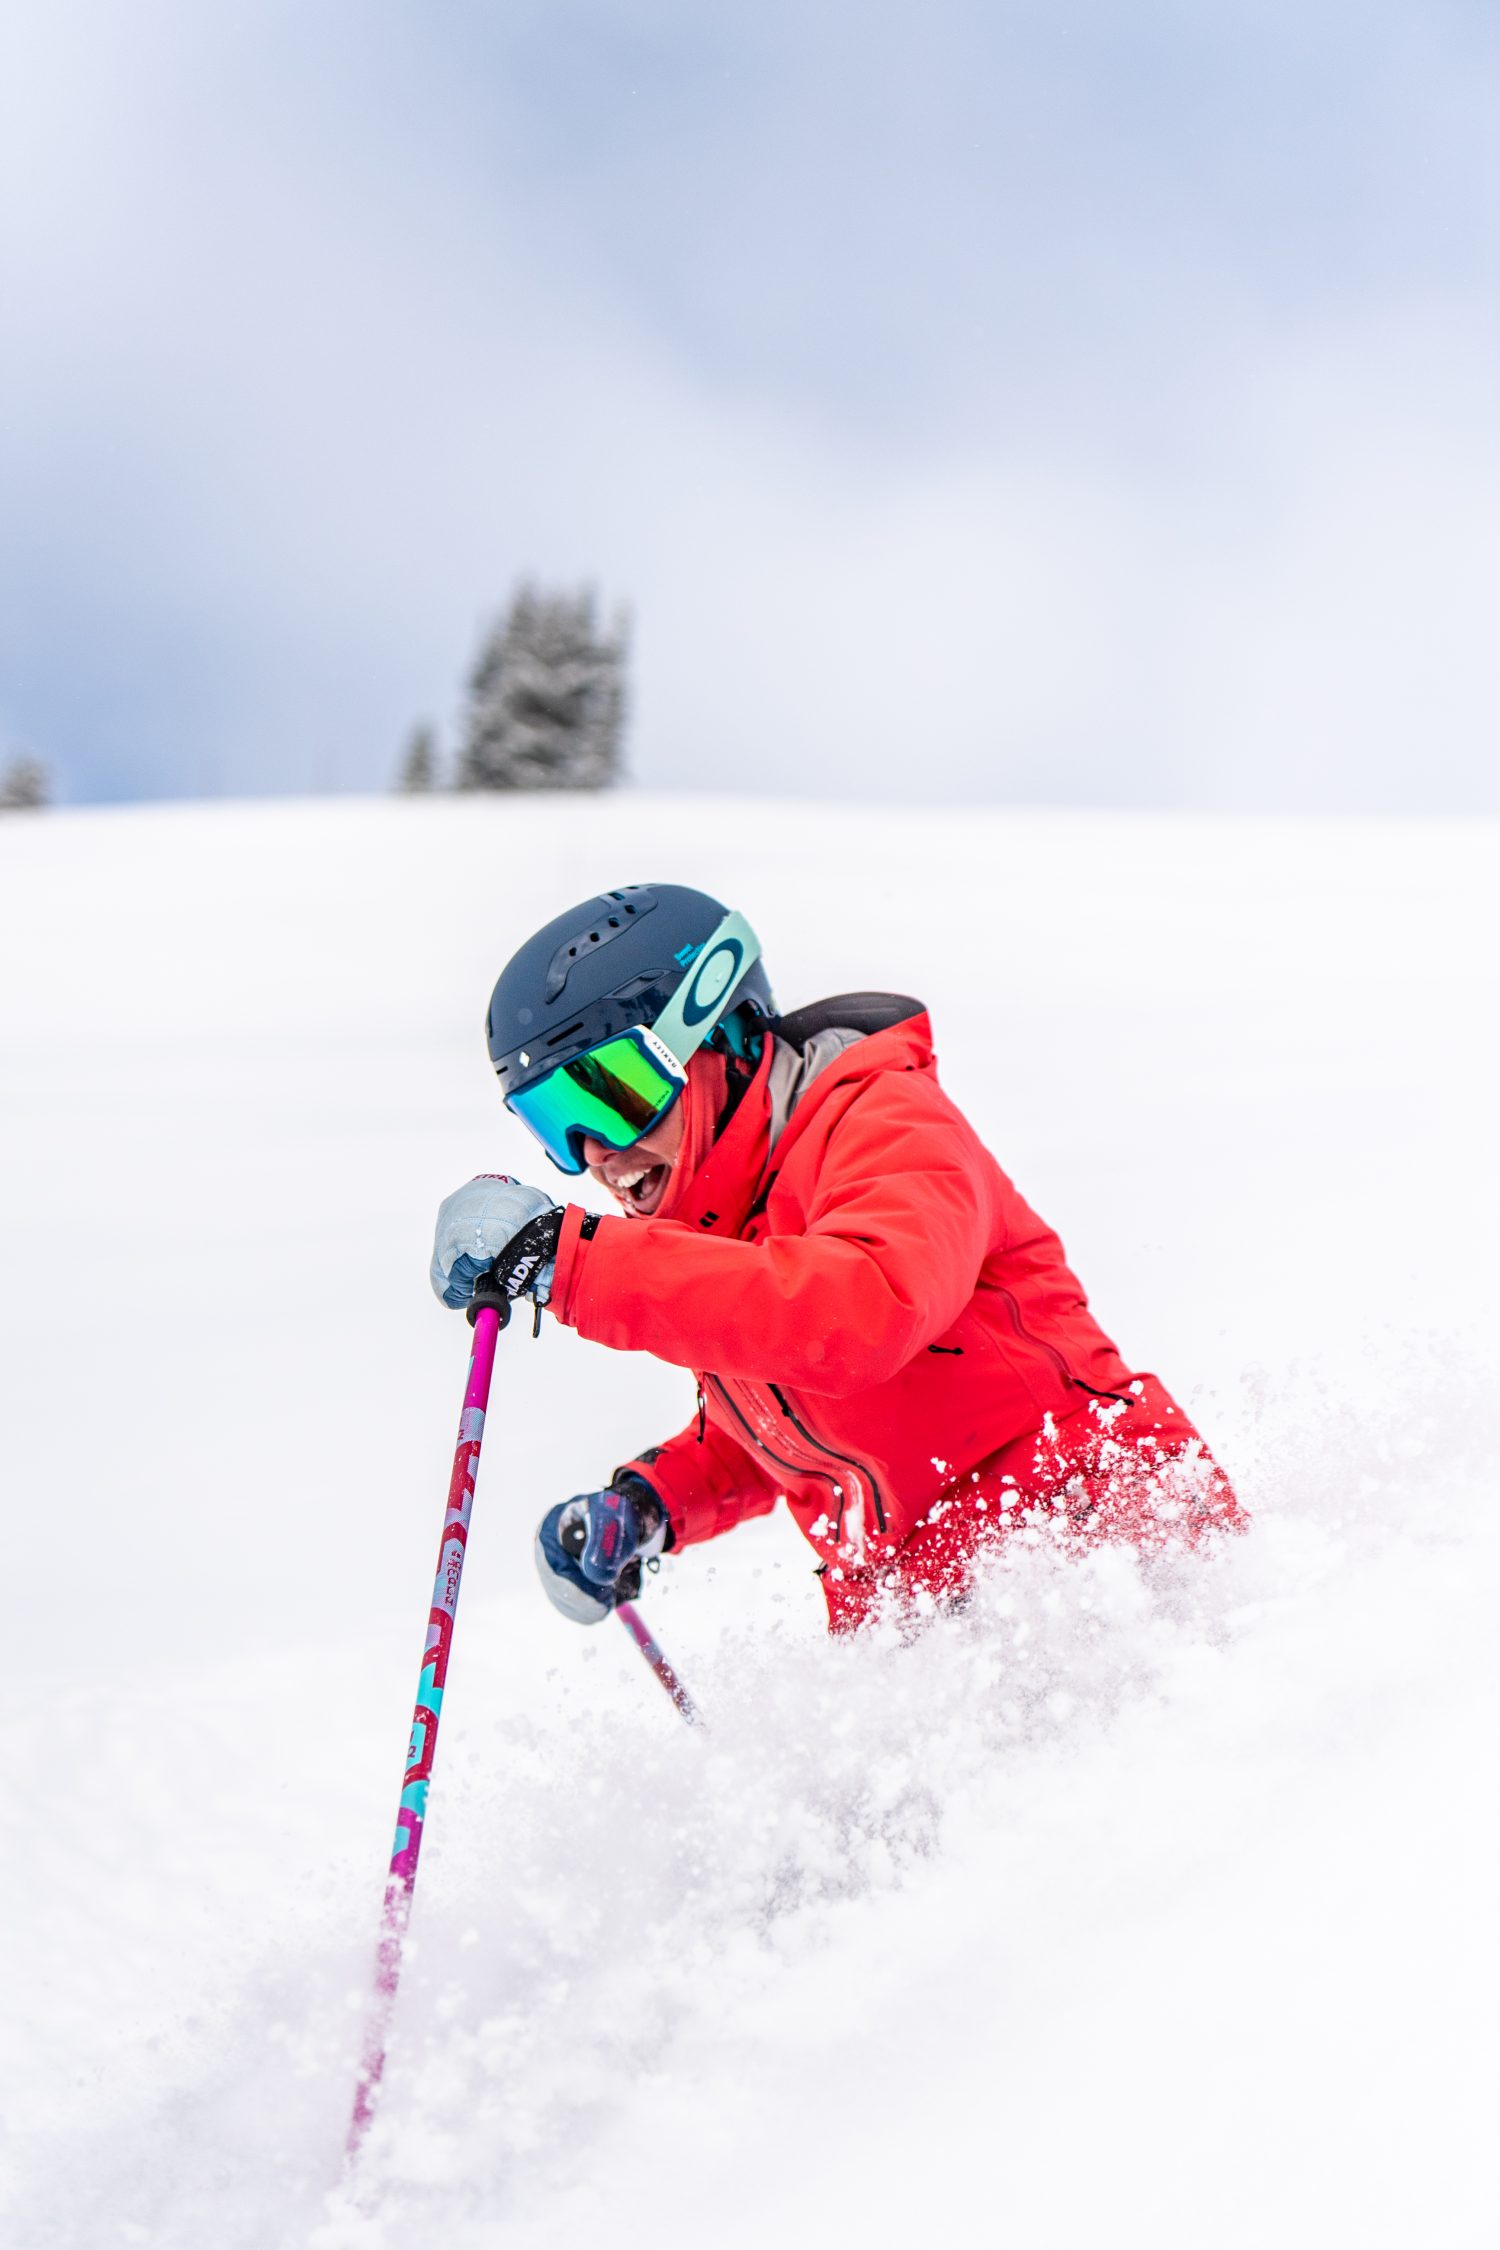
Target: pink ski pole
640	1632
490	1318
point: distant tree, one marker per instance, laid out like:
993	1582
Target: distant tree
419	765
24	784
546	697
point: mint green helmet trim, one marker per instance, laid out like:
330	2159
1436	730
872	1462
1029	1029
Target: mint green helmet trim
699	1001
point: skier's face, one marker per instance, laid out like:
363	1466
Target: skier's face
637	1176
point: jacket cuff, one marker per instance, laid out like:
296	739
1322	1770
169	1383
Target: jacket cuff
698	1507
629	1474
572	1247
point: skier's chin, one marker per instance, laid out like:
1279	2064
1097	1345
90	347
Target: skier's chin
640	1201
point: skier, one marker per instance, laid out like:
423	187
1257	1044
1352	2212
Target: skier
882	1330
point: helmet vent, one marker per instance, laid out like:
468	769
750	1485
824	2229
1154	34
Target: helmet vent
583	941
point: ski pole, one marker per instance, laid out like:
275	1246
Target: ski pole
640	1632
490	1317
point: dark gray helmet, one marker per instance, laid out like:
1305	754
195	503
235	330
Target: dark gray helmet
656	954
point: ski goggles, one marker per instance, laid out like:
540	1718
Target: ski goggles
619	1088
612	1093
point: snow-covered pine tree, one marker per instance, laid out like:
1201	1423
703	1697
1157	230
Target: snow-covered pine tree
546	697
24	785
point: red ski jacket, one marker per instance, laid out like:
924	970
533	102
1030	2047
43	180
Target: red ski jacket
870	1306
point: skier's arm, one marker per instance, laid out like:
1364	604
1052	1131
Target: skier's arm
897	1229
706	1485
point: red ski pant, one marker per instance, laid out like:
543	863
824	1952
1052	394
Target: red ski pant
1133	1470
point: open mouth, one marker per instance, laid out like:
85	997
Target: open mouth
641	1191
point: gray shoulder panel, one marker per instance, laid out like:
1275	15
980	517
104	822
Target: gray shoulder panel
793	1072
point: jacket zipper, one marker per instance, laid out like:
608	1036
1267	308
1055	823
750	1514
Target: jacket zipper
1074	1382
819	1445
794	1468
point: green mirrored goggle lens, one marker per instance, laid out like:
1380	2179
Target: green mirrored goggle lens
613	1093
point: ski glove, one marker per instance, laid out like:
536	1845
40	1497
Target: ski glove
590	1550
500	1222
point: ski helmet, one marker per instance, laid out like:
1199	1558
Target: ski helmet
656	959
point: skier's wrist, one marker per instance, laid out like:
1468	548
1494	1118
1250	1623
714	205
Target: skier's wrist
653	1512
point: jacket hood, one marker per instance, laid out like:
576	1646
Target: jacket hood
860	1013
812	1039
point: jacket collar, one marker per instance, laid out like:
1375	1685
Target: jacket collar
725	1189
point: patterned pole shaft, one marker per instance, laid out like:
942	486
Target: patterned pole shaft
640	1632
401	1881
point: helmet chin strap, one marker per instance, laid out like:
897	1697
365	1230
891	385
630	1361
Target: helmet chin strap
736	1036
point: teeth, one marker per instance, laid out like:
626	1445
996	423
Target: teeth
632	1179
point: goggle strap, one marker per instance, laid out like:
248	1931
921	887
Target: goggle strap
696	1006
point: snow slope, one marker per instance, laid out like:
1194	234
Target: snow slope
1145	1906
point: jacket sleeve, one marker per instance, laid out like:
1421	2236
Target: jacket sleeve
707	1486
899	1217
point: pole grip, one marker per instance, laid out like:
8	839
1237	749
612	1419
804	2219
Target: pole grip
489	1296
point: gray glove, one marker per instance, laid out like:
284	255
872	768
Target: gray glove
500	1222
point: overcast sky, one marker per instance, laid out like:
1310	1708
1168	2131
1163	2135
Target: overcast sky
1031	402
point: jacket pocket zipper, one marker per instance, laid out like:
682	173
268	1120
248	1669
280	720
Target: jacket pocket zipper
819	1446
793	1468
1074	1382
